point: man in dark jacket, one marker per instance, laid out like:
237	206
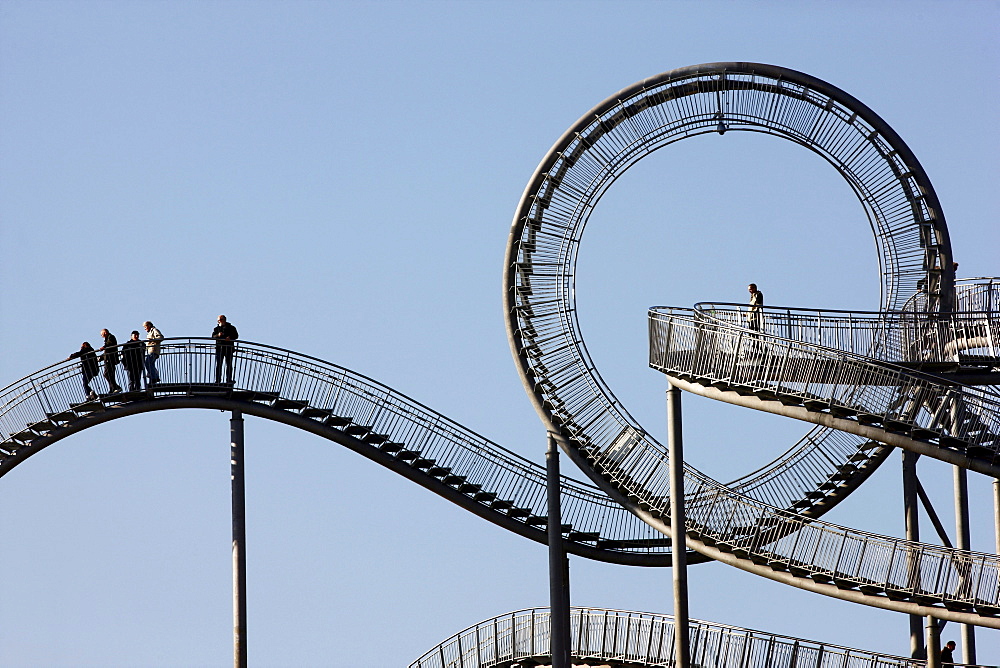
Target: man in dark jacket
948	652
88	367
133	356
224	334
110	359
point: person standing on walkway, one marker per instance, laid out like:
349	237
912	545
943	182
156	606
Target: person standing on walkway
756	303
110	359
224	334
948	652
133	354
88	367
153	338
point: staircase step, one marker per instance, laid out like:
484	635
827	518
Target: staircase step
42	426
485	496
375	439
584	536
407	455
313	412
439	471
25	436
519	512
64	416
357	429
421	463
289	404
390	447
952	442
337	421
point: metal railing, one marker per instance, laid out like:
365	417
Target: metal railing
893	336
641	639
687	342
681	343
266	373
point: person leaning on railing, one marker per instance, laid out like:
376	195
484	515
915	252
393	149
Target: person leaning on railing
153	338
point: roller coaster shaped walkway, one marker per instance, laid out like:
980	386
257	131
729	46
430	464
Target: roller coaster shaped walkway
918	374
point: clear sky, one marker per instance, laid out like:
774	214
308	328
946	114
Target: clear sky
339	179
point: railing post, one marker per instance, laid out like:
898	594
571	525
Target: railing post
963	541
239	542
678	544
559	643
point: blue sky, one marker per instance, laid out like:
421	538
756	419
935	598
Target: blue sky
339	179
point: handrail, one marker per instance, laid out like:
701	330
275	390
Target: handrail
270	372
901	336
641	639
681	340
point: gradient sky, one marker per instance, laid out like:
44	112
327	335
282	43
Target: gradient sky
339	179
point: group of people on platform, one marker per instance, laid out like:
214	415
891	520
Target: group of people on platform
139	357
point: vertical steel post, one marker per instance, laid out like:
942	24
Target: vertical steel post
996	514
963	541
678	543
559	625
912	535
239	541
933	643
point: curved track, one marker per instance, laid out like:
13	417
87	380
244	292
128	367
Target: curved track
765	523
347	408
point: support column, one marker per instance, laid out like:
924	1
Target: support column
996	514
559	643
913	535
933	643
239	542
678	542
963	541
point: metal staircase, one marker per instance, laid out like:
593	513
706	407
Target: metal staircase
347	408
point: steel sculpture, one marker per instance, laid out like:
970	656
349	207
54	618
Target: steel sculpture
896	377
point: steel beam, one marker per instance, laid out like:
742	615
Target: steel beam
912	520
239	541
558	564
675	444
963	541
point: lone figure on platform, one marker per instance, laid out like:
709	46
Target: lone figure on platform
756	303
948	652
224	334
